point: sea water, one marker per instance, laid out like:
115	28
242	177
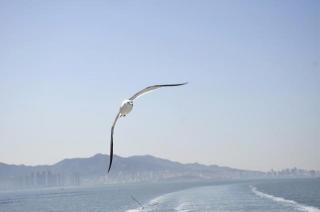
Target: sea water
258	195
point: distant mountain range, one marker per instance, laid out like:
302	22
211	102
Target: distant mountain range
93	170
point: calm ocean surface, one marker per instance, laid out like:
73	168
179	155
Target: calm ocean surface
262	195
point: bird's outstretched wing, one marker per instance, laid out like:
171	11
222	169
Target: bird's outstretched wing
111	142
153	87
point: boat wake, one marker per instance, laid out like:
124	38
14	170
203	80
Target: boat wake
185	207
150	206
233	197
165	202
284	201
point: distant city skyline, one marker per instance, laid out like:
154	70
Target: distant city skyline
253	69
91	171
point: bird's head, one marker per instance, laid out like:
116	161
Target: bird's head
126	102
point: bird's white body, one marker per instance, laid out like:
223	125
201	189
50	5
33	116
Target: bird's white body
126	107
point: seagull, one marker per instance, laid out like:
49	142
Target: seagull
126	108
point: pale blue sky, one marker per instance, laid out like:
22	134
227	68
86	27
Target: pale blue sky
253	69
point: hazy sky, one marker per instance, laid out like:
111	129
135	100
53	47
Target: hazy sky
253	67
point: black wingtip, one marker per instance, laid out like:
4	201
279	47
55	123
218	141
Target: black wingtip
110	163
178	84
184	83
111	151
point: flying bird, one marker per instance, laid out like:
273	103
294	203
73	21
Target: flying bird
126	108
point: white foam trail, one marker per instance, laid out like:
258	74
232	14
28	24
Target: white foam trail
292	203
134	210
150	206
184	207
